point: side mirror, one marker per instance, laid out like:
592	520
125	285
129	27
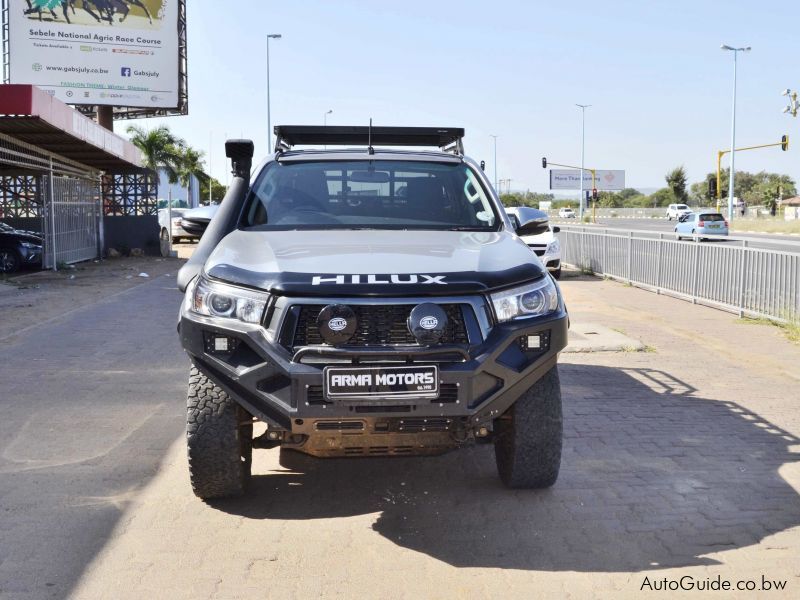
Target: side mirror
556	229
531	221
533	227
483	165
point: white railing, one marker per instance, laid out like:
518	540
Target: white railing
727	274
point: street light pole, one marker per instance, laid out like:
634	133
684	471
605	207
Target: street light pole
273	36
325	118
583	108
733	128
495	164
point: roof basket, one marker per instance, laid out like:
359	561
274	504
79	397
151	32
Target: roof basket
448	139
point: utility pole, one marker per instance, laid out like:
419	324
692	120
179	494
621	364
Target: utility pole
733	128
495	164
583	108
270	36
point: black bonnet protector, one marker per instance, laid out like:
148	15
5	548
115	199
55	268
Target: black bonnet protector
378	284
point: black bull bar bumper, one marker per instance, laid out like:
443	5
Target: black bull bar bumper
285	390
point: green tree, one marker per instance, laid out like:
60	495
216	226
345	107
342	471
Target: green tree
191	163
753	188
677	183
218	190
663	197
161	149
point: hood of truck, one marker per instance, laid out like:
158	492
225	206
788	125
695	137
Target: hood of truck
373	262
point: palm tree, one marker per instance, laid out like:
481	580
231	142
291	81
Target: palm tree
161	149
191	164
676	180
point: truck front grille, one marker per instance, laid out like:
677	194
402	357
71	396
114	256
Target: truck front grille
379	325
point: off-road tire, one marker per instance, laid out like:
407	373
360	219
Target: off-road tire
219	440
527	438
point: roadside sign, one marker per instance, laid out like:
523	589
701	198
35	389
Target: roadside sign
569	179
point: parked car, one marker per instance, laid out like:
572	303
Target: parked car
179	207
566	213
368	302
196	220
699	224
676	211
545	245
18	249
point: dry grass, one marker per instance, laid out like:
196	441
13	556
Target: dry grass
791	329
766	225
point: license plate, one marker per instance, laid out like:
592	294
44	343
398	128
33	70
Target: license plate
375	383
713	226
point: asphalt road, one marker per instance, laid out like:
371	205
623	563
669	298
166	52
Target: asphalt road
784	243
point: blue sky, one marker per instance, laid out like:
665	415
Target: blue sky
659	86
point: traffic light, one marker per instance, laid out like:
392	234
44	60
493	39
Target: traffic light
594	194
784	143
712	188
544	162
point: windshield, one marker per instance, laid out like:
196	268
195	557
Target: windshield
369	195
712	217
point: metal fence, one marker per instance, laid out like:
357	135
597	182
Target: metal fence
72	221
54	196
729	275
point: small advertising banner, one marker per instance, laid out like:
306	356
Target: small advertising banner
111	52
569	179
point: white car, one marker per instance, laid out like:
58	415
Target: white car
676	211
545	245
566	213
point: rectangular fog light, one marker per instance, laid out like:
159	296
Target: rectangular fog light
219	344
534	342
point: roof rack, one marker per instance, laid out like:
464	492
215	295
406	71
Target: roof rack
449	139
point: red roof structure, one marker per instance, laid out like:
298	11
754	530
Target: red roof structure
31	115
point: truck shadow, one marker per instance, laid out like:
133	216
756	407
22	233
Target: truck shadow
652	476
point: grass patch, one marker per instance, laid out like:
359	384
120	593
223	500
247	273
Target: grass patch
766	225
791	330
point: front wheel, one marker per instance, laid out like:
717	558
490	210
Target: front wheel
219	435
9	260
528	437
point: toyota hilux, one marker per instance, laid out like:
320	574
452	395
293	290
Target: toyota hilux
371	298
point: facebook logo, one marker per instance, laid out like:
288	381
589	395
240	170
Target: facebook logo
125	71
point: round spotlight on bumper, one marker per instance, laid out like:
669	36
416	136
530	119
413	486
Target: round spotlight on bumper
337	323
427	323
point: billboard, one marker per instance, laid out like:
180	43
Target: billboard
97	52
569	179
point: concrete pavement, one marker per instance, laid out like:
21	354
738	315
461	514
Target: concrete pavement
679	461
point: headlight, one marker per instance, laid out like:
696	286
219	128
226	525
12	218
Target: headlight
220	300
553	247
533	300
30	246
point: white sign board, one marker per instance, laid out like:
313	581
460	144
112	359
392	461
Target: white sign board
113	53
569	179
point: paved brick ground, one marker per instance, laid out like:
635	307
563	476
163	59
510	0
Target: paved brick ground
680	461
